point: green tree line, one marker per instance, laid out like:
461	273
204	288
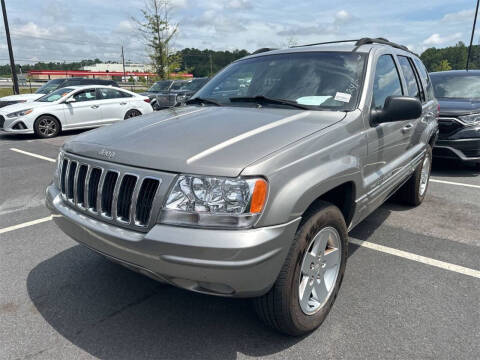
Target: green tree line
5	69
451	58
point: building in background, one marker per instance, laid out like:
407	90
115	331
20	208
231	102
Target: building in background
118	67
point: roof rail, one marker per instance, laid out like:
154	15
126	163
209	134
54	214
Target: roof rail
325	43
262	50
383	41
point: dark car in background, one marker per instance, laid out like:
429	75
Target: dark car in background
162	87
458	92
51	86
178	95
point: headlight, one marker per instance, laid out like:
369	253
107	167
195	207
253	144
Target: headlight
472	119
19	113
215	201
181	98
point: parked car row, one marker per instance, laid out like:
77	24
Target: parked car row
72	107
169	93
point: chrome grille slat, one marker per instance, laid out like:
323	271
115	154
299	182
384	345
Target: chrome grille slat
113	193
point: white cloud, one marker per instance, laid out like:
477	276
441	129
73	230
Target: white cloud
342	16
436	39
460	16
31	29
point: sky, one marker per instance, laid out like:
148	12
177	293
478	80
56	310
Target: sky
58	30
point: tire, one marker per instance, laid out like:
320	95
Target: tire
155	106
46	126
132	113
281	307
413	192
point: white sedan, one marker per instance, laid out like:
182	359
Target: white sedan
73	107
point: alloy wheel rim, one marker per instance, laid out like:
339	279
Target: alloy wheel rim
425	175
133	114
319	270
47	127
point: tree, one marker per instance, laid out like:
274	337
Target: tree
443	66
158	33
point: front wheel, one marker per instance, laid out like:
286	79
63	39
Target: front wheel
413	192
132	113
46	126
310	278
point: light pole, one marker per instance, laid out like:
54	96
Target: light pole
10	50
471	38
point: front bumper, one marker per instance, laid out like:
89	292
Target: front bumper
463	149
235	263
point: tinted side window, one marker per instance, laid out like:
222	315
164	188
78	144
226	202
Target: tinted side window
112	94
427	83
409	74
386	82
85	95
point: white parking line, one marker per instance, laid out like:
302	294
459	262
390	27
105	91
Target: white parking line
454	183
25	224
32	154
421	259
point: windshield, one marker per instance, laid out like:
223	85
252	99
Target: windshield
160	86
177	85
320	80
194	85
457	87
49	86
54	96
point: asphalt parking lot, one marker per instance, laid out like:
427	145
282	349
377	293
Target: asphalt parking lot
411	289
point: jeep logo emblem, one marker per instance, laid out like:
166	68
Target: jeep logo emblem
106	153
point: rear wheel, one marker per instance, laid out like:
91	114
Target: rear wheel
309	281
132	113
414	190
46	126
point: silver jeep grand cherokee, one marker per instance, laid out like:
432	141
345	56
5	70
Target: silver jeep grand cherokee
250	190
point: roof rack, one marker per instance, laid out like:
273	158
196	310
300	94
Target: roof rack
325	43
262	50
383	41
360	42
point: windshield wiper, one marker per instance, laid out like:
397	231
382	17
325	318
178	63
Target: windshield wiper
260	99
202	101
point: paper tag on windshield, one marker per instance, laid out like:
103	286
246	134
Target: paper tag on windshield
339	96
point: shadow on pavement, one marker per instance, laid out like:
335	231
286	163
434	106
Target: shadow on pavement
25	137
113	313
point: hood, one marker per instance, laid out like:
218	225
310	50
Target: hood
27	97
201	140
457	107
22	106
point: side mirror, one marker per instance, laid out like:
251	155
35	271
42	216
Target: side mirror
70	100
398	108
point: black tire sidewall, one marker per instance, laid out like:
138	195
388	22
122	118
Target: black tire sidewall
327	216
37	131
127	114
418	177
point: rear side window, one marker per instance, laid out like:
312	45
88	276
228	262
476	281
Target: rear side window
387	81
112	94
409	74
427	83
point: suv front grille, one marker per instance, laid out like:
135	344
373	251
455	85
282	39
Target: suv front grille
2	121
115	195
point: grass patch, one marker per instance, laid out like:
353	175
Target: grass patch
8	91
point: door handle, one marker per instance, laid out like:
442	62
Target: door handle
123	103
94	106
407	128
